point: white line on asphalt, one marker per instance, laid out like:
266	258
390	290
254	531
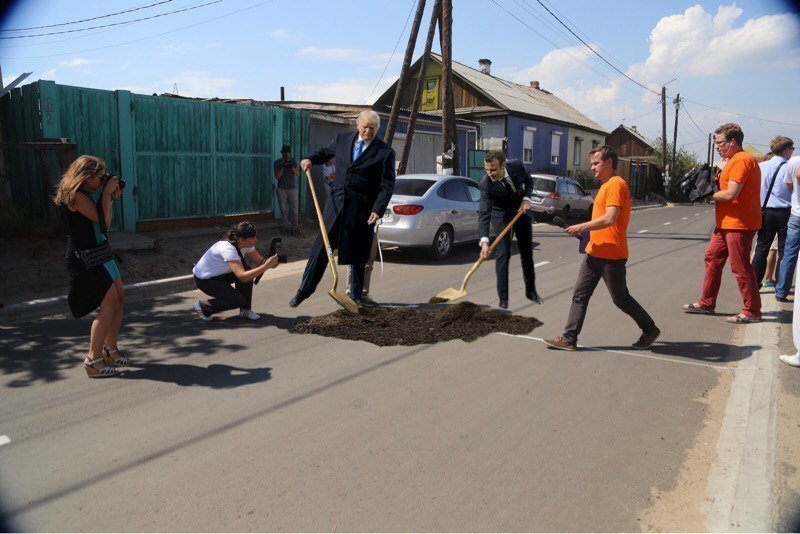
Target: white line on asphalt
540	263
706	211
647	356
4	439
667	223
684	218
642	231
696	214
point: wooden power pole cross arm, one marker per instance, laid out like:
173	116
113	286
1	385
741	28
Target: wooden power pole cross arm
403	80
412	120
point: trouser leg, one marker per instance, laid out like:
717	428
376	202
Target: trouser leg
588	277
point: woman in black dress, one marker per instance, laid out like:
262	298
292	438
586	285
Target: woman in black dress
85	195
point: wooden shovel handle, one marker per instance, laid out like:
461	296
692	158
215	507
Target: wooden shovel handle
491	248
323	230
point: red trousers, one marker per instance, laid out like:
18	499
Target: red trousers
735	244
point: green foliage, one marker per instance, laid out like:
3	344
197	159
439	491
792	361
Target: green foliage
684	161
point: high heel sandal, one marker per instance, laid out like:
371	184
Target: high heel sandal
119	361
102	372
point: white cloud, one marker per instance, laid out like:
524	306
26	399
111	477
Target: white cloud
125	65
79	62
351	55
176	50
282	35
49	74
213	45
343	90
201	84
695	43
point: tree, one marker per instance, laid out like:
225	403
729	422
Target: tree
684	161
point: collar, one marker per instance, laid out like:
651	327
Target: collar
366	143
506	175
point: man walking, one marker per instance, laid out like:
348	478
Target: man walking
738	217
285	170
791	176
363	185
776	202
506	189
606	255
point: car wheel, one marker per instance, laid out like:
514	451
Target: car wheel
442	243
565	211
589	212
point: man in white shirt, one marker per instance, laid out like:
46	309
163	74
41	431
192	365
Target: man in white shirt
791	175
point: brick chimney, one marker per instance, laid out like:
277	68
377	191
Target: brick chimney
534	85
485	65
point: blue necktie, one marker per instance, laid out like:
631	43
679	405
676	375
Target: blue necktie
359	148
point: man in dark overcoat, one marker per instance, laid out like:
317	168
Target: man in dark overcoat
361	190
505	189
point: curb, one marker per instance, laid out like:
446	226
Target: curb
57	306
647	207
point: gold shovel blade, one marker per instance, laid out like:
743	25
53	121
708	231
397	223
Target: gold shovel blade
449	295
344	301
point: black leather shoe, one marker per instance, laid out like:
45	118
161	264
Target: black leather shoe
503	304
298	298
532	295
781	299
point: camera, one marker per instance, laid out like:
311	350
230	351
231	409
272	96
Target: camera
120	181
275	248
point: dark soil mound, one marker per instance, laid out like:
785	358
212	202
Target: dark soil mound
385	326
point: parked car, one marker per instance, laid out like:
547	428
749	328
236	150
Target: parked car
555	195
431	211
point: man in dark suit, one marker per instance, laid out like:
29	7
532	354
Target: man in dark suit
505	189
361	190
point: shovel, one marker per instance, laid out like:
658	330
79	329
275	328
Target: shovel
452	293
341	298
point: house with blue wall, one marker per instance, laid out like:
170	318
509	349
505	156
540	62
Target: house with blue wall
528	123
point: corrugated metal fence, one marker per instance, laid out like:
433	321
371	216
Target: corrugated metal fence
181	158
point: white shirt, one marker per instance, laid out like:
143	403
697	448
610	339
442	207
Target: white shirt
506	176
215	261
790	177
364	148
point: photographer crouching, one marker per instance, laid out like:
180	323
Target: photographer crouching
85	196
221	273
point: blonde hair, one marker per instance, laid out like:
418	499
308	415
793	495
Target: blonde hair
82	169
370	117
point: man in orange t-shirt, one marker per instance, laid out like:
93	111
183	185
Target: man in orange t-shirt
738	217
606	255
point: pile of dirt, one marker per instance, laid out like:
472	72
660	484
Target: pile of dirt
386	326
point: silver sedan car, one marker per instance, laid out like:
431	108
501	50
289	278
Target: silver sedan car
431	211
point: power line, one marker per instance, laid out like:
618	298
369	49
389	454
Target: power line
259	4
686	111
85	20
743	115
643	114
413	3
114	23
595	51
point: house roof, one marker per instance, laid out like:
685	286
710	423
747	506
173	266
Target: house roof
517	98
637	134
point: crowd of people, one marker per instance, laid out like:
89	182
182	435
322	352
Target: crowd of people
753	201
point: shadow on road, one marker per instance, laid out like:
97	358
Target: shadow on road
215	376
705	351
45	350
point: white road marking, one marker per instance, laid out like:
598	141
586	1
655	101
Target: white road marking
706	211
667	223
645	356
540	263
684	218
696	214
4	439
642	231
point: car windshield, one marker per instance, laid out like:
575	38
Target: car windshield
543	184
412	187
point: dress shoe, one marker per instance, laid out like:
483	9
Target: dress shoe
560	343
532	295
298	298
646	341
781	299
503	304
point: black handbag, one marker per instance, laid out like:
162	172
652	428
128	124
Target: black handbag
93	257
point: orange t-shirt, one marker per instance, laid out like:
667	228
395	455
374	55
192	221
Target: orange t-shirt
744	213
611	243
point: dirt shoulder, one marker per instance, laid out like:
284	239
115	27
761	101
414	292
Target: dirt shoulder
786	517
33	268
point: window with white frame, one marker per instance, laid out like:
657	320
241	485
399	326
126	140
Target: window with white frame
555	147
595	144
527	144
576	157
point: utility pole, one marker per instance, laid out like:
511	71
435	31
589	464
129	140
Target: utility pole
677	103
449	141
708	154
664	140
423	66
402	81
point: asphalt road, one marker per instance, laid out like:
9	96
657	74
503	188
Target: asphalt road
232	425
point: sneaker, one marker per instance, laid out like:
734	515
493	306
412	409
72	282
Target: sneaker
200	313
646	341
560	343
793	360
249	314
769	283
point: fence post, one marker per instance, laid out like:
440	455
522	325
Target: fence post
127	165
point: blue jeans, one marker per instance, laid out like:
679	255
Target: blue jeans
789	261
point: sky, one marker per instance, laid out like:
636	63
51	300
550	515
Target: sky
742	58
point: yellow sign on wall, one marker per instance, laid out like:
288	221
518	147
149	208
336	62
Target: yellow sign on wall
430	95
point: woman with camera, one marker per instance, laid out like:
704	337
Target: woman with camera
224	264
85	196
